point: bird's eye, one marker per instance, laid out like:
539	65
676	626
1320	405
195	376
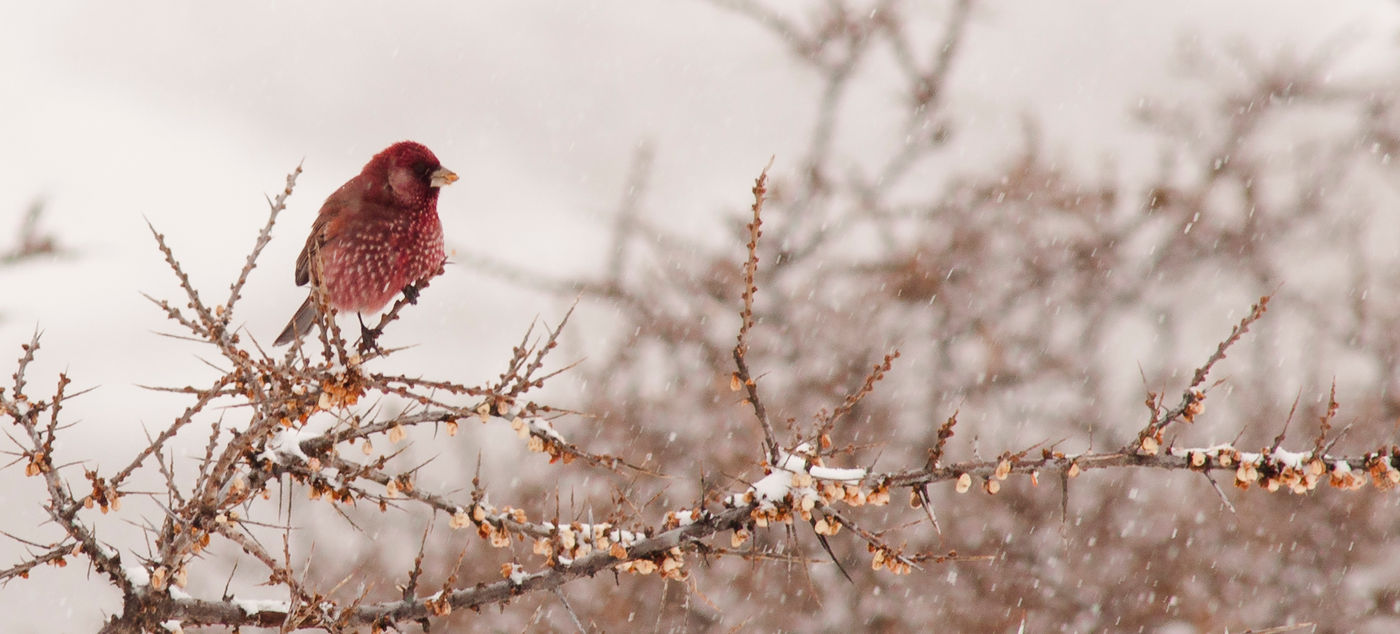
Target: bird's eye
422	170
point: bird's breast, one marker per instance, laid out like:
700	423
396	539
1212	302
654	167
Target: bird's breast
365	268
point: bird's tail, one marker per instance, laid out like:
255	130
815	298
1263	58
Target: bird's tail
299	325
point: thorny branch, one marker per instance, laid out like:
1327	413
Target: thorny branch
746	319
1193	399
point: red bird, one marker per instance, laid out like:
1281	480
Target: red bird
375	236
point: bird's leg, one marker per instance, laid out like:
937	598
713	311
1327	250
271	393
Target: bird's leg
368	336
410	293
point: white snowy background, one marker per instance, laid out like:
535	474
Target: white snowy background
187	114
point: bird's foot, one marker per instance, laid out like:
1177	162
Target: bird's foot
410	293
369	338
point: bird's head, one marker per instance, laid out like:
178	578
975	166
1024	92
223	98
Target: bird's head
410	173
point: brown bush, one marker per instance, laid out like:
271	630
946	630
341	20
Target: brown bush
975	400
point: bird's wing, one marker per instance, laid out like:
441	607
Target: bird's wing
333	211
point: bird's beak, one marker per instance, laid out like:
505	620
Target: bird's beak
442	176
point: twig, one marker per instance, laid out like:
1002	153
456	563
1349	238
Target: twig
746	319
570	610
277	206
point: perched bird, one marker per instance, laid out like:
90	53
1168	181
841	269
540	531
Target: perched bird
375	236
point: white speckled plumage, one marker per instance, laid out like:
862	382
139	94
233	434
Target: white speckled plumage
364	273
